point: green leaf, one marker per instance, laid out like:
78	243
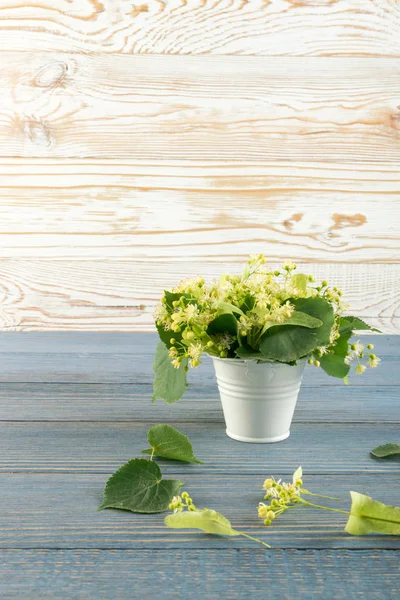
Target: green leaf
286	343
386	450
228	308
334	365
300	282
224	323
207	520
169	383
168	442
355	324
247	352
298	318
172	296
138	486
248	304
368	515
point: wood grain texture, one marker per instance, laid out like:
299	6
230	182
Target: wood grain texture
210	574
122	223
121	294
104	402
276	27
134	365
60	512
200	107
72	447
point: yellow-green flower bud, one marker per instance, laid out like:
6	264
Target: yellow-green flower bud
185	495
277	273
191	507
310	361
172	341
267	522
223	354
268	483
324	283
243	333
316	363
210	344
271	515
370	346
299	482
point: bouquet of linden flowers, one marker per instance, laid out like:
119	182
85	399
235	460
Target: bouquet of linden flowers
261	314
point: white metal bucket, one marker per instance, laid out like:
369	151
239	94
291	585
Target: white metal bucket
258	399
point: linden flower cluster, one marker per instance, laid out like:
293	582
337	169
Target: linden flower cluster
256	297
357	352
179	503
281	496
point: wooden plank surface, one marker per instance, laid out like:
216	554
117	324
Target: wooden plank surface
124	360
118	402
60	511
64	294
52	538
103	447
205	573
120	223
200	107
277	27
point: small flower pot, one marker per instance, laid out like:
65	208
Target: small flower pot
258	399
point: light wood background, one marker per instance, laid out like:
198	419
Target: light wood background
141	143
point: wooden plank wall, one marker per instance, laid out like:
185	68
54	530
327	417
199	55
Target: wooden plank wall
141	143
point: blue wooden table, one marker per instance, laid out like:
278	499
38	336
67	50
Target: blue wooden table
74	407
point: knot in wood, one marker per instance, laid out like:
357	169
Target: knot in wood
50	75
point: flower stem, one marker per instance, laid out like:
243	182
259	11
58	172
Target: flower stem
303	491
345	512
254	539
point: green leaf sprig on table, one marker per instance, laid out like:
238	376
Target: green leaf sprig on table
168	442
138	486
187	516
386	450
261	314
365	516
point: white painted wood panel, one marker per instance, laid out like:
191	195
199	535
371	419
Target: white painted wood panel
205	108
121	294
254	27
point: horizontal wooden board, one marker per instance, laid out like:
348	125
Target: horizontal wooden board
267	177
59	294
301	28
121	342
118	223
103	447
132	363
213	574
200	107
59	511
122	402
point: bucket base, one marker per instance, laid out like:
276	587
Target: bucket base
269	440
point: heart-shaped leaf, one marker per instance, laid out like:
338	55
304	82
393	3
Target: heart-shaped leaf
368	515
246	352
386	450
138	486
286	343
207	520
298	318
225	323
169	383
168	442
